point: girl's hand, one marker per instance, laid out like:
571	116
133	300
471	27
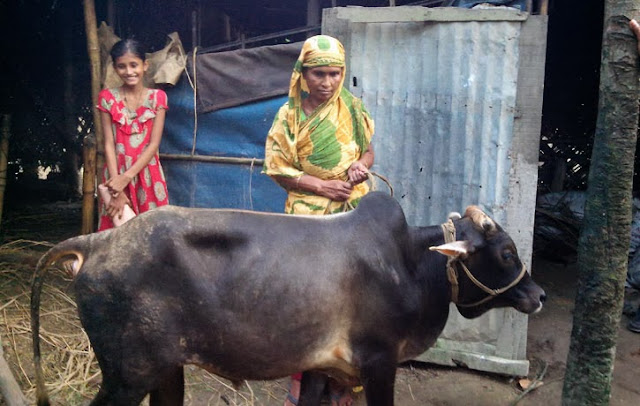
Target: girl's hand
116	205
336	190
117	184
357	173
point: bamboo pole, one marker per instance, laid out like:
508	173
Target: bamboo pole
544	7
213	159
88	204
4	154
88	184
8	385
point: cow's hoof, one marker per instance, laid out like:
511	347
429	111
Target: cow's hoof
634	325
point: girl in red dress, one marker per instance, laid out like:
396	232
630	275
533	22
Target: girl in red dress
132	118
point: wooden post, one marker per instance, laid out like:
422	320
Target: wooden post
194	29
88	184
544	7
528	5
9	387
313	14
97	160
4	153
111	13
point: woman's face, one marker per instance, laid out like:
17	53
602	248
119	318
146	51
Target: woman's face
323	81
130	68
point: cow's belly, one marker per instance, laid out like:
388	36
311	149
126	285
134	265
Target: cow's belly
332	355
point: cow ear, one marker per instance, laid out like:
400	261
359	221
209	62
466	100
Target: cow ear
453	249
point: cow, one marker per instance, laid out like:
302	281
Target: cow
259	296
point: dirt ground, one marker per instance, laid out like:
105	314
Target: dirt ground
417	383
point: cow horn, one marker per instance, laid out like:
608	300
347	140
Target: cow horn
480	218
454	215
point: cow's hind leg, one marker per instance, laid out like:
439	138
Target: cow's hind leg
311	388
171	389
378	375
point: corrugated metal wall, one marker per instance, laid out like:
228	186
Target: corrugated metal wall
442	86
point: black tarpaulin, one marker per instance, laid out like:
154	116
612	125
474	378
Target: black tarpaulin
231	78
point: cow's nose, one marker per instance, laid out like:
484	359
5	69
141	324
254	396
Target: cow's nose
543	297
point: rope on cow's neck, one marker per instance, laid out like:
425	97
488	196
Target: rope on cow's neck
449	231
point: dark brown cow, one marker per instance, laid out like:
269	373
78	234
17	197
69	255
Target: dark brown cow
257	296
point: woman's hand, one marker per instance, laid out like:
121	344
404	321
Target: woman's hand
336	190
116	205
357	173
117	184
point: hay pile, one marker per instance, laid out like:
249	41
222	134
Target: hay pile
70	367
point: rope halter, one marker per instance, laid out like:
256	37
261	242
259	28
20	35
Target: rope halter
449	232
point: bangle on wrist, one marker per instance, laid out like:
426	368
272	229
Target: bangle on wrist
298	181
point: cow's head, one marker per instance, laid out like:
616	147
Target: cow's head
484	269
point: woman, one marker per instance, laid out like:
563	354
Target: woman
319	148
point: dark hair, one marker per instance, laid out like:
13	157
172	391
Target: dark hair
127	45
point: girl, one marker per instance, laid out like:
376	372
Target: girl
132	119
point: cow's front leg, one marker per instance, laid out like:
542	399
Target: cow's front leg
378	375
170	391
311	388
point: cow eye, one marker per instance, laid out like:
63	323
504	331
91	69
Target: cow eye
507	256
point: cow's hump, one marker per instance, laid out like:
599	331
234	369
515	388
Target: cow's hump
381	207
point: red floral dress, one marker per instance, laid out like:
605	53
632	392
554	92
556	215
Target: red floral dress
132	132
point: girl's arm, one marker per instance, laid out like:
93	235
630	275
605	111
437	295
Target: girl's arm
119	182
109	144
116	205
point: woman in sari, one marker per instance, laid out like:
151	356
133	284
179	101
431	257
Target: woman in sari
319	148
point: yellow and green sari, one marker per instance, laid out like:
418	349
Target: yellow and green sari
326	143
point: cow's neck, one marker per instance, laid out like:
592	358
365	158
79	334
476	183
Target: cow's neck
435	292
430	265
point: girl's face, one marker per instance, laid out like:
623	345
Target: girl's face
130	68
323	81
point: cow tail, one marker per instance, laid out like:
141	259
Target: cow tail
70	252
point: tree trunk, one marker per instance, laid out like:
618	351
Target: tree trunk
604	239
91	27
